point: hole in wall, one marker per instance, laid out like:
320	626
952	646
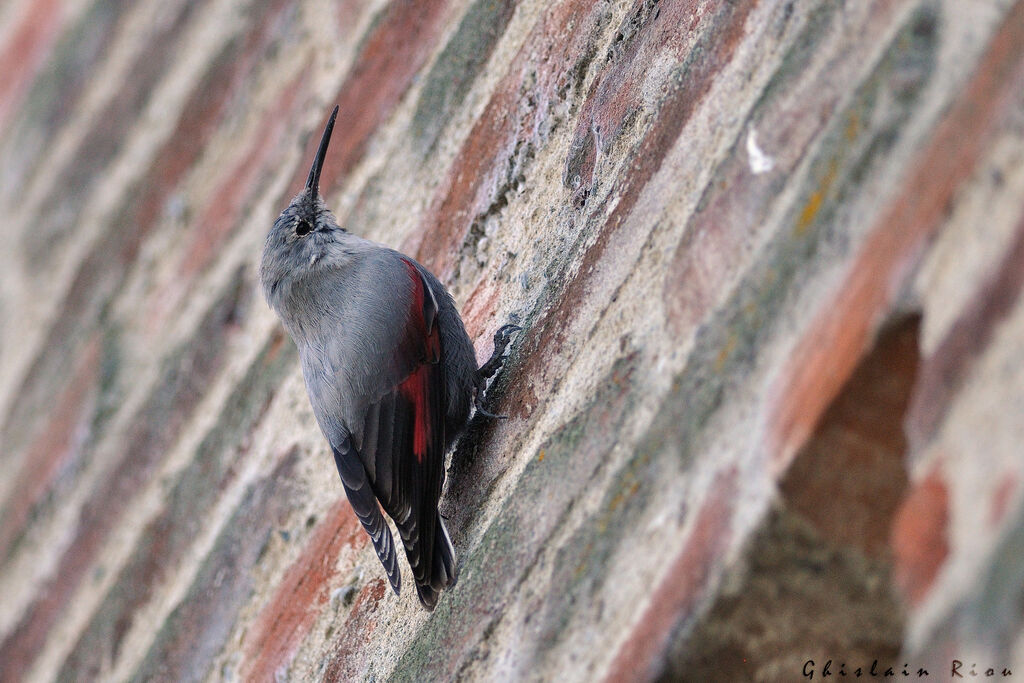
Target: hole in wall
815	581
849	478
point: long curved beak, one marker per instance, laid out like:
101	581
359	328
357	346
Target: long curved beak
313	182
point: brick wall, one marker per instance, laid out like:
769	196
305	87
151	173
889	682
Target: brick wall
767	404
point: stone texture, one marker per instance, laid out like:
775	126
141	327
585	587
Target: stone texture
768	257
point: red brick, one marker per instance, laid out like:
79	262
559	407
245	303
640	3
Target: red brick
154	428
737	203
546	337
102	270
188	641
679	594
228	203
850	477
1002	497
944	370
25	50
920	542
286	618
480	305
651	32
235	187
54	446
396	48
103	140
165	541
540	68
353	652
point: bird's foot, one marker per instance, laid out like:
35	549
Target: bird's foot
501	340
480	410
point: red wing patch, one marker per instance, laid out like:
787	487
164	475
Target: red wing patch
423	340
414	389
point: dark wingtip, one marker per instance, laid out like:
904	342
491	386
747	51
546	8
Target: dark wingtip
313	181
428	597
444	573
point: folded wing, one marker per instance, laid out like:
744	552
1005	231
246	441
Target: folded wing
400	437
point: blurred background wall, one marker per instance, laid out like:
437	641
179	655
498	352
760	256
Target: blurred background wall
767	407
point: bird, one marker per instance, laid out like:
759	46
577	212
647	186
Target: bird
390	371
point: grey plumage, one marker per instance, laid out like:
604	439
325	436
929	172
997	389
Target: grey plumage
390	371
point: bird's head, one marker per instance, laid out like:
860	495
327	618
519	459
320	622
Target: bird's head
304	233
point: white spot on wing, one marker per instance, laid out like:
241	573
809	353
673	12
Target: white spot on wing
759	161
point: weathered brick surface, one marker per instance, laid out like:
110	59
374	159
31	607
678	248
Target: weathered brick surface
765	407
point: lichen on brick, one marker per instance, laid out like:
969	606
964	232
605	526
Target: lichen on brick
456	67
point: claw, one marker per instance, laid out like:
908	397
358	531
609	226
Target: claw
497	359
480	387
493	364
505	330
480	410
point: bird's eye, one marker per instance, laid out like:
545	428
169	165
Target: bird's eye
302	228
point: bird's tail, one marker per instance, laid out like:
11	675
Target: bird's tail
442	572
